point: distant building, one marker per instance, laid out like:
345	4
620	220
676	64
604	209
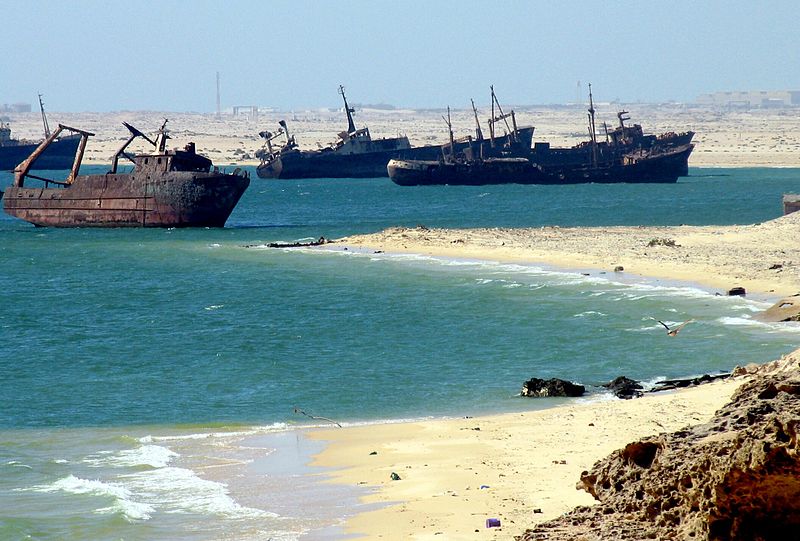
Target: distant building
752	99
15	108
250	111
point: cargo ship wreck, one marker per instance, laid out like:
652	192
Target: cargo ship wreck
166	188
658	160
59	154
623	139
355	154
653	166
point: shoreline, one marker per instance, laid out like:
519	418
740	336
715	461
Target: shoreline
626	277
759	257
522	467
527	462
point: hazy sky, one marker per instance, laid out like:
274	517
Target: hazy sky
163	55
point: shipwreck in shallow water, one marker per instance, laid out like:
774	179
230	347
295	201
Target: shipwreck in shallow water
167	188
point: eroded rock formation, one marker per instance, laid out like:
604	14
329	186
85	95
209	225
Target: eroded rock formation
734	478
625	388
536	387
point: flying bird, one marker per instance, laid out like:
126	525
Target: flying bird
673	331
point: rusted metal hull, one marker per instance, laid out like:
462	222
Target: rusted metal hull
581	155
174	199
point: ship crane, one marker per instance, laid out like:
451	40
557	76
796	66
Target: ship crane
44	118
269	136
622	118
351	126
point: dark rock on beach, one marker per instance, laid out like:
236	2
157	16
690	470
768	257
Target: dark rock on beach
734	478
737	292
669	384
536	387
623	387
320	242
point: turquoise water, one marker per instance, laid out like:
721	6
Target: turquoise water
147	377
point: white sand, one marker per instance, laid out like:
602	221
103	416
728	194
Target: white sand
762	258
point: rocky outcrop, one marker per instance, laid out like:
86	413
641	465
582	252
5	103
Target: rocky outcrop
734	478
623	387
536	387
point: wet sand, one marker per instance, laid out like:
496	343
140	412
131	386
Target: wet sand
763	258
521	468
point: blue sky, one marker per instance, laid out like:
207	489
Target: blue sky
147	55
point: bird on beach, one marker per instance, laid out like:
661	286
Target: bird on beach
673	331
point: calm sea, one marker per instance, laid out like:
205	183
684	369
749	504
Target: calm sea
149	378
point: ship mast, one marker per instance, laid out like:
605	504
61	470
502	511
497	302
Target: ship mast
44	118
592	133
478	132
491	120
450	128
351	126
504	117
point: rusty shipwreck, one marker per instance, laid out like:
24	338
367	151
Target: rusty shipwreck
658	163
166	188
355	154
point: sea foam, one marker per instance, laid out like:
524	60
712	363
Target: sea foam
123	500
180	490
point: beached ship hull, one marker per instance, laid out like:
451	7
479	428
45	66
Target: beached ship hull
328	163
179	199
59	155
642	168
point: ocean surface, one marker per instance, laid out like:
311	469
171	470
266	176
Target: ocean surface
152	382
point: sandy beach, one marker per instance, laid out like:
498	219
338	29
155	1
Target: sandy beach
522	468
762	258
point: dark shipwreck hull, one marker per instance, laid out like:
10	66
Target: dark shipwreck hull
328	163
59	154
635	168
546	155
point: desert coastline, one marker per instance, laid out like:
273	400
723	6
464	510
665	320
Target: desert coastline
762	257
522	467
724	137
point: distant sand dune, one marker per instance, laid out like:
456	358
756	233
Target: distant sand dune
757	138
